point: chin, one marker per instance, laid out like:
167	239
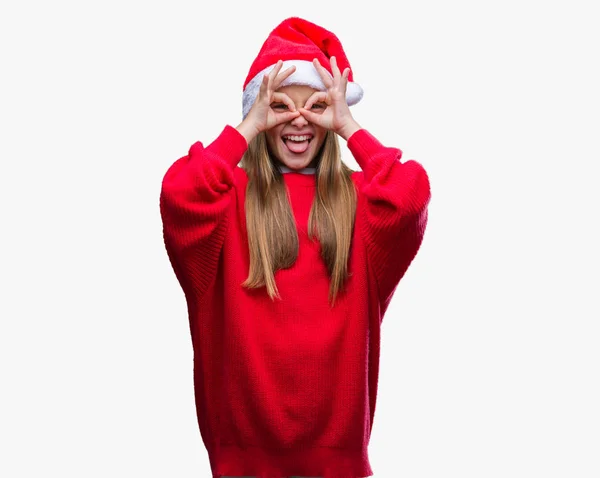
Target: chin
297	163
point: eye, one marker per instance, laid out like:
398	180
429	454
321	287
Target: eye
317	106
279	106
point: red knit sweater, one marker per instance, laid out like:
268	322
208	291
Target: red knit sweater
288	387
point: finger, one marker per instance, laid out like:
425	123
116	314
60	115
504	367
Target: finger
310	116
273	73
264	82
284	117
334	67
325	75
283	98
282	76
344	80
314	98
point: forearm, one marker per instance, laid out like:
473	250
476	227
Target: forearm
393	210
196	193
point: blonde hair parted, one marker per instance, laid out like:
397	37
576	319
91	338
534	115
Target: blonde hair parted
272	234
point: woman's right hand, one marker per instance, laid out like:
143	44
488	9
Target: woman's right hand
261	116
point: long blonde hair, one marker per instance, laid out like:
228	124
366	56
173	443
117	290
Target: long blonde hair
272	234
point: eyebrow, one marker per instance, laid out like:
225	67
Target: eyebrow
297	103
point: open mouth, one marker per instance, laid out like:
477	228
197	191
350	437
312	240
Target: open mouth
297	144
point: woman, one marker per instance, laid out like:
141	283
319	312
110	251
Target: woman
288	264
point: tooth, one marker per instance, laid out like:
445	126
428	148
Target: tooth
296	138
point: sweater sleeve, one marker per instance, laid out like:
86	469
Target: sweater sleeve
195	194
394	210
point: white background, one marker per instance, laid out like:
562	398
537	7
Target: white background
490	350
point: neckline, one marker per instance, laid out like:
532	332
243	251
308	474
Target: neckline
285	170
305	177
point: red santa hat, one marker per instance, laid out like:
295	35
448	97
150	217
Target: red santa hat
297	42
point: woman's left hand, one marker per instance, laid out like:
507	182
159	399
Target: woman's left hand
336	115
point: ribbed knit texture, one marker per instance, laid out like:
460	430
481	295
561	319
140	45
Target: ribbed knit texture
288	388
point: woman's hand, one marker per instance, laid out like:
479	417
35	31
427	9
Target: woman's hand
261	116
336	116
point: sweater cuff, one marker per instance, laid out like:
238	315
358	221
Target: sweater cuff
230	145
363	146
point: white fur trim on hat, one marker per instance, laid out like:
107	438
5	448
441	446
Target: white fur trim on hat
305	74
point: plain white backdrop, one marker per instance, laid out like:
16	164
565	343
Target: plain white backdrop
490	362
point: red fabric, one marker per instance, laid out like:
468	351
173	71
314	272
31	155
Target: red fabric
299	39
288	387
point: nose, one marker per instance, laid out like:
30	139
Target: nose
299	121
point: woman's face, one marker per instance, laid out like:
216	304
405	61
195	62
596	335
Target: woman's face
296	154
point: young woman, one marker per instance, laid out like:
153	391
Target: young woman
288	260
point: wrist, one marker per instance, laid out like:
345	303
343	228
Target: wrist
248	131
349	129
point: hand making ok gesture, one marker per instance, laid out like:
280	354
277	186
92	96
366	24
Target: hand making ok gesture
336	116
261	116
